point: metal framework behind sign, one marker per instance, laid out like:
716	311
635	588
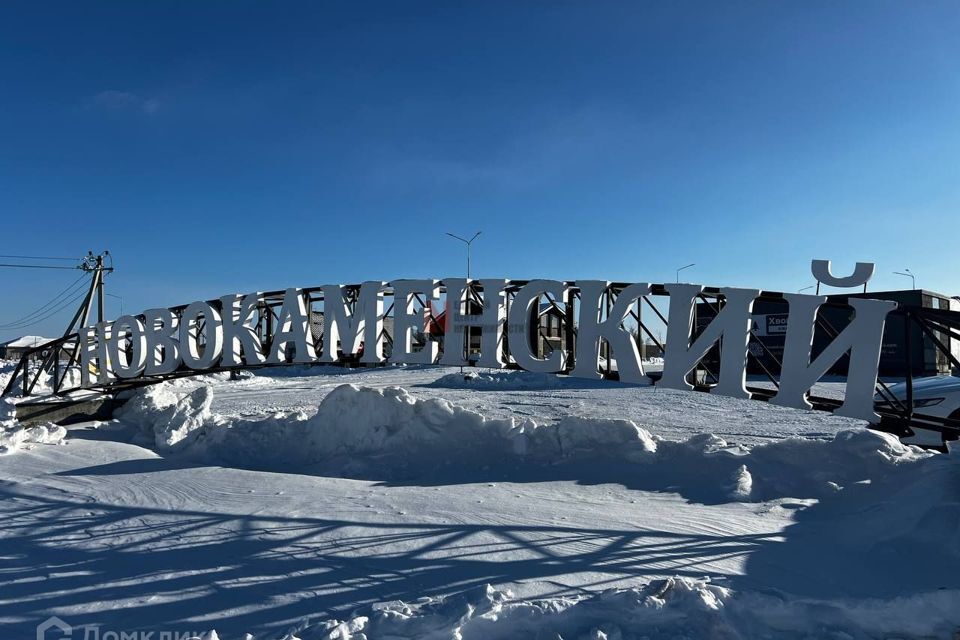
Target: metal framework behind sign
592	335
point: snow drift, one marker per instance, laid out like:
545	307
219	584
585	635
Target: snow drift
14	436
389	434
670	609
354	426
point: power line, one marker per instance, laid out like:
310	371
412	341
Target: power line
36	266
41	258
47	313
71	288
51	313
77	290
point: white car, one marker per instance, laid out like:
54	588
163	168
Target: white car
937	396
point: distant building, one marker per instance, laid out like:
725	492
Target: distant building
548	330
770	327
926	358
14	349
650	350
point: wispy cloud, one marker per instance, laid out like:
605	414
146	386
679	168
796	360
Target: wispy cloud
114	100
549	150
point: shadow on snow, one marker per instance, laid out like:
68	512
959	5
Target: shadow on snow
148	568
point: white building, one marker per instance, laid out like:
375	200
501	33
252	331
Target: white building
14	349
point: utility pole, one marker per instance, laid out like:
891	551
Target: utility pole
100	290
93	264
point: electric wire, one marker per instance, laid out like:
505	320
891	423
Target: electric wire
36	266
71	288
52	312
41	258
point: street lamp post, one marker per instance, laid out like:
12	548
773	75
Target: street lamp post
909	274
682	268
468	243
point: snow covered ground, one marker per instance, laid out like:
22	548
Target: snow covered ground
502	505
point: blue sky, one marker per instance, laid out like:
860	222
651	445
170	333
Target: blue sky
234	146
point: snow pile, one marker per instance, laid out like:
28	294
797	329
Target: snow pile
14	436
674	608
172	419
355	426
7	368
44	381
368	422
794	467
387	433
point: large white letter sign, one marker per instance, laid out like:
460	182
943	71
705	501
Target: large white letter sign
350	330
88	348
406	320
163	350
104	365
293	326
523	321
591	330
822	271
196	356
863	338
490	321
239	330
128	365
731	325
